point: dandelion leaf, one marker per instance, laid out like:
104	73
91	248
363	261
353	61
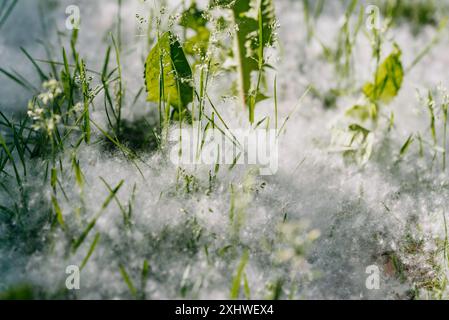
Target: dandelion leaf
268	23
389	77
249	26
168	76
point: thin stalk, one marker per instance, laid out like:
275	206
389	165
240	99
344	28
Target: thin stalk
275	104
445	117
6	11
120	92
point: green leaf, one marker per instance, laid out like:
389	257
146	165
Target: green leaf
268	23
167	68
245	63
255	21
388	79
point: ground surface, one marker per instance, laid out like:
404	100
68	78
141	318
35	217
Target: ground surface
310	230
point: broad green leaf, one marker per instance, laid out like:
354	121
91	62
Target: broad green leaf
268	23
389	77
254	20
245	63
167	68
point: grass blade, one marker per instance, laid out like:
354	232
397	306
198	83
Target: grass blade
58	212
4	16
91	250
77	243
128	281
237	281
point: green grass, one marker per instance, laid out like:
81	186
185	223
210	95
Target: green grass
74	127
6	8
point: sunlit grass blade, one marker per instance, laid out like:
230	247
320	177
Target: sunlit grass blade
237	280
58	212
128	281
91	251
294	110
77	243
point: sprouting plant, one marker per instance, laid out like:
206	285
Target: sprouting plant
169	77
387	82
433	141
342	54
357	140
355	143
312	11
188	182
254	25
339	54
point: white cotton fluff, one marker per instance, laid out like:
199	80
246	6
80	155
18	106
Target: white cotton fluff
365	215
